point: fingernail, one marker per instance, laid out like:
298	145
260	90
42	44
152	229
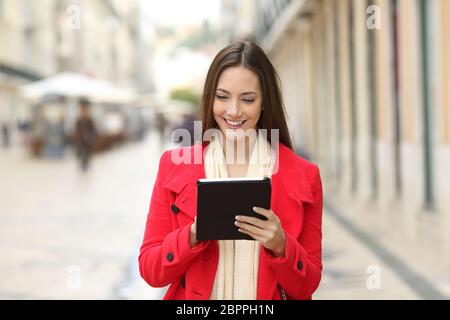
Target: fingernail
238	217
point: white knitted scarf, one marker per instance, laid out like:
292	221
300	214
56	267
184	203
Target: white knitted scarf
237	271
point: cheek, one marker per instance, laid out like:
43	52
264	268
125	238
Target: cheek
255	114
218	108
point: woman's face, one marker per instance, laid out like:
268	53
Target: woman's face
237	102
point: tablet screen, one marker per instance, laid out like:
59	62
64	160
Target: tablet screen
219	201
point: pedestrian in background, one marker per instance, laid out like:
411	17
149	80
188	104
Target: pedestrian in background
85	134
161	124
38	128
5	135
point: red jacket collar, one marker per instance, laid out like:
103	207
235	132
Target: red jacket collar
291	171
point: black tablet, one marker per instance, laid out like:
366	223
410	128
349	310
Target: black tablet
219	201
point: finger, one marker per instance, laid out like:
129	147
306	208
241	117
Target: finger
265	212
255	221
252	229
254	236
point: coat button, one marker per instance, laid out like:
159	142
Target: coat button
299	265
169	257
175	209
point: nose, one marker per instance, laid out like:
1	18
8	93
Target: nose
234	111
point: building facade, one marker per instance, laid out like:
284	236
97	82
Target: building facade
367	91
98	38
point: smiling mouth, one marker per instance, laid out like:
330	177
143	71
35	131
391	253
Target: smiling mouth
234	124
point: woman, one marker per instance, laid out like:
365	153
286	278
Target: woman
241	94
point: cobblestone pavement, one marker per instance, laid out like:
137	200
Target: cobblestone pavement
69	235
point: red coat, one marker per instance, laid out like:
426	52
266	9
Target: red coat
166	257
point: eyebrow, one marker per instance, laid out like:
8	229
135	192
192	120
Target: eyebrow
243	93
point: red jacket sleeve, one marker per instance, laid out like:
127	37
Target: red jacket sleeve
299	271
165	252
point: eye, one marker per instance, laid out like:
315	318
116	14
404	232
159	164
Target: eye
248	100
221	97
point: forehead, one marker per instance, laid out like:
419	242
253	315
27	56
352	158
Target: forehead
238	79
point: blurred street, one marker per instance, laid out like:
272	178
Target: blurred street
71	235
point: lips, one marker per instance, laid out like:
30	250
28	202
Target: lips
234	124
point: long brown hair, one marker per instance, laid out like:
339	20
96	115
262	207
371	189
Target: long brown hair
253	58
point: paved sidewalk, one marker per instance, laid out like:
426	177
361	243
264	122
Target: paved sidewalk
409	265
69	235
351	269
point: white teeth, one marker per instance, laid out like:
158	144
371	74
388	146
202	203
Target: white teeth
234	123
